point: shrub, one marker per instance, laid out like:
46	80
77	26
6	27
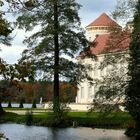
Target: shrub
34	104
2	137
9	104
60	118
29	117
21	104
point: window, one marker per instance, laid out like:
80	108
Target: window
89	91
82	92
97	71
109	69
96	88
90	73
122	69
103	72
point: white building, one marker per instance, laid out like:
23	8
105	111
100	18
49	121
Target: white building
99	32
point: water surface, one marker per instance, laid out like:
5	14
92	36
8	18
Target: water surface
23	132
25	105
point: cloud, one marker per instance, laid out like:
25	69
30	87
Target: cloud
18	37
11	54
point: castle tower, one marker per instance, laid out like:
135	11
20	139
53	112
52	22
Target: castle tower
101	25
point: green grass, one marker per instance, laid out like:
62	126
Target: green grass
11	117
94	119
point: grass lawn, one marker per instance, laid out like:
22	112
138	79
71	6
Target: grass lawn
86	119
107	120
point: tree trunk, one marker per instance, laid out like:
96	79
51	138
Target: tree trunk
9	104
137	128
56	104
1	109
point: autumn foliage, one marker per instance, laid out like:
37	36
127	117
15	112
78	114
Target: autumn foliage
28	92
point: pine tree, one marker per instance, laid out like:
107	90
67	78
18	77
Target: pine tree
58	34
5	28
133	91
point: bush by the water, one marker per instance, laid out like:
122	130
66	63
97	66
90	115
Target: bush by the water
29	117
21	104
34	104
131	131
9	104
60	118
2	137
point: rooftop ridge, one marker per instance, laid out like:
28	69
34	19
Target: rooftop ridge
103	20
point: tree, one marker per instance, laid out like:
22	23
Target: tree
112	84
30	92
1	109
124	10
20	71
21	103
12	74
5	28
59	34
132	97
133	91
114	68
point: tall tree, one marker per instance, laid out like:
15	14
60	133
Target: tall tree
57	35
5	30
124	10
133	91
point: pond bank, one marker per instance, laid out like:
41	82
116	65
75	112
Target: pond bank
84	119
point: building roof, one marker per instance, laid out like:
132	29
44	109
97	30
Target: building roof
116	41
106	44
103	20
100	44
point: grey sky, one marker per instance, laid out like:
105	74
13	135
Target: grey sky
89	11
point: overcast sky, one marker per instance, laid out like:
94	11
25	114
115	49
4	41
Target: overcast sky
89	11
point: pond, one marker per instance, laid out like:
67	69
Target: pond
23	132
25	105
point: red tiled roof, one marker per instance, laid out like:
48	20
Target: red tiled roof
103	20
104	44
116	41
101	45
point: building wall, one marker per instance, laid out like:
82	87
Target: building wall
86	91
119	67
92	32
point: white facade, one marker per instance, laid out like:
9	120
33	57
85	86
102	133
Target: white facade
92	32
86	91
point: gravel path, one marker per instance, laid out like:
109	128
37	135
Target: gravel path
23	112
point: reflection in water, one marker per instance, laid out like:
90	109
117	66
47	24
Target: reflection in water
22	132
25	105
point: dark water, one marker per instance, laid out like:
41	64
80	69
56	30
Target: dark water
22	132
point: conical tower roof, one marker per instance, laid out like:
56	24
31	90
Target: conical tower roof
103	20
